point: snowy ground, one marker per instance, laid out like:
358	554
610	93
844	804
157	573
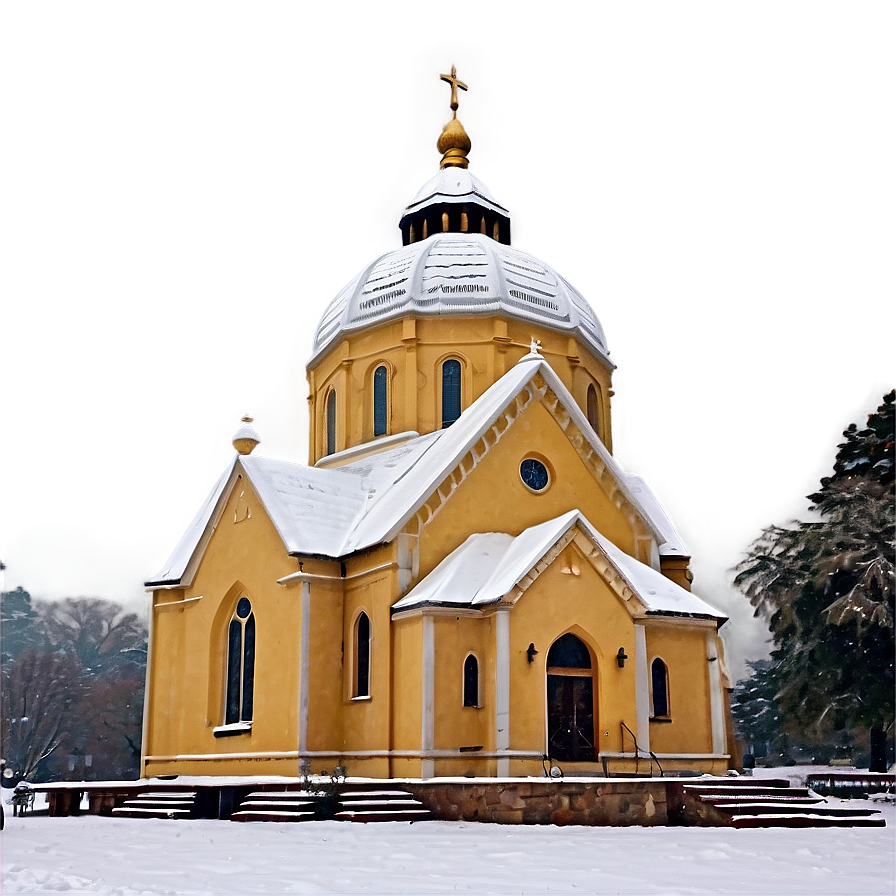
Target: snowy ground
88	854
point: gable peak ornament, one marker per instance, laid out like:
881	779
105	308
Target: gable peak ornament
246	437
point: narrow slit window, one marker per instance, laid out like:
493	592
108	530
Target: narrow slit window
380	400
362	656
450	392
331	422
240	664
660	685
591	410
471	681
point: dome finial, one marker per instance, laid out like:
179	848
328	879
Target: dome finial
454	143
246	438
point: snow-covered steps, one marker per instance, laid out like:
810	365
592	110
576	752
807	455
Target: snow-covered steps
278	805
168	804
861	819
380	805
747	803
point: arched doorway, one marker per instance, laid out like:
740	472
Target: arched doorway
570	701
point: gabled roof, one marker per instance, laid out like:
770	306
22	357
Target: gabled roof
488	566
311	509
341	510
396	502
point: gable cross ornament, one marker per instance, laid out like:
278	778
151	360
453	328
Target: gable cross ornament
455	82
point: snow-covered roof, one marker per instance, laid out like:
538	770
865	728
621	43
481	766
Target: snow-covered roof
454	184
311	509
487	566
338	511
672	546
458	274
395	501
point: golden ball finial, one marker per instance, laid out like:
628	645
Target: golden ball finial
454	144
246	438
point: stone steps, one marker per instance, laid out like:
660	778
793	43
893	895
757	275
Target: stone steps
383	804
750	808
380	805
368	815
743	803
801	820
278	805
167	804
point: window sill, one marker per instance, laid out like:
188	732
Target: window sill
233	729
361	699
661	719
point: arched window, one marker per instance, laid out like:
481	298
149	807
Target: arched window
591	409
659	679
450	392
362	656
331	422
471	681
240	664
380	400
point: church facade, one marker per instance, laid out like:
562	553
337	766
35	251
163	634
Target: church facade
463	581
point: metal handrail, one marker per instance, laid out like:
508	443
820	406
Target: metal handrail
653	757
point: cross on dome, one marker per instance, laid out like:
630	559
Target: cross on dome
455	82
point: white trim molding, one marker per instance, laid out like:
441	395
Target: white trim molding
502	689
427	710
304	665
716	699
642	689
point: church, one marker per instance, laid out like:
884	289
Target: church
462	581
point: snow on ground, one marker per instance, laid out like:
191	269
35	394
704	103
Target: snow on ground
89	854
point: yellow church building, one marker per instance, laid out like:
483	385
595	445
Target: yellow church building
463	581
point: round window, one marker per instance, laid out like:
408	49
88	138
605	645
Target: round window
534	474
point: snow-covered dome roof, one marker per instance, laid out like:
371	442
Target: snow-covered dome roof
455	185
458	274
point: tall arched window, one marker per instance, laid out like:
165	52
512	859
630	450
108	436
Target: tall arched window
240	664
331	422
591	409
362	656
450	392
380	400
659	680
471	681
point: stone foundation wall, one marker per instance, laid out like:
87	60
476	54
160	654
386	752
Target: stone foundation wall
598	802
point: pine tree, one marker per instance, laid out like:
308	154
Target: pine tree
757	719
827	589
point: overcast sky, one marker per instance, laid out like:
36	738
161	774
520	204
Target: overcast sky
184	187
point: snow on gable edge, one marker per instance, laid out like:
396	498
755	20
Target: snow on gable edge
180	559
431	468
658	593
673	546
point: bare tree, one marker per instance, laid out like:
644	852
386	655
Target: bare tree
40	693
100	633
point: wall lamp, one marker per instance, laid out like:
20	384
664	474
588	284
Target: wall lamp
621	657
531	653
